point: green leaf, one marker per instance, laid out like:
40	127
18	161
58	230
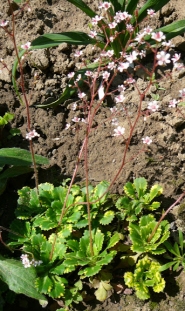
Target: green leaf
156	5
131	6
19	157
100	189
129	190
107	218
155	191
170	248
166	266
174	29
98	241
59	287
19	279
44	284
140	186
54	39
119	5
3	183
58	270
84	243
73	245
90	271
84	7
102	292
15	171
114	239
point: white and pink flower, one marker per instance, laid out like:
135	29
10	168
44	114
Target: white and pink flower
119	131
147	140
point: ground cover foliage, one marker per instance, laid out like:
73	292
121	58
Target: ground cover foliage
75	235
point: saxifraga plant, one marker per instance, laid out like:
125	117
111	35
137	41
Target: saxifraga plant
37	224
120	33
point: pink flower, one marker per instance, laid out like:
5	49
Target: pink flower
110	53
81	95
147	140
114	122
76	119
178	66
173	103
4	23
78	77
176	57
114	110
182	93
78	53
119	131
121	88
139	37
104	5
101	92
71	75
111	65
153	106
112	25
96	19
32	134
93	34
89	73
130	27
130	81
120	16
131	57
151	12
142	54
67	126
167	44
119	99
105	75
26	46
123	66
158	36
163	58
148	30
74	106
84	120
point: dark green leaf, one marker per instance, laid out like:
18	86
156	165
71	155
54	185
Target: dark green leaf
82	6
19	279
15	171
172	30
19	157
156	5
107	218
54	39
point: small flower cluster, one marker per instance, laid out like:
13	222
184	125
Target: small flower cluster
173	102
27	263
3	23
26	46
32	134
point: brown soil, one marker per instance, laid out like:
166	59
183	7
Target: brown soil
162	162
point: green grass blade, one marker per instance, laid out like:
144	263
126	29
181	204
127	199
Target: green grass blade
14	70
84	7
54	39
173	30
150	4
119	5
131	6
181	242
